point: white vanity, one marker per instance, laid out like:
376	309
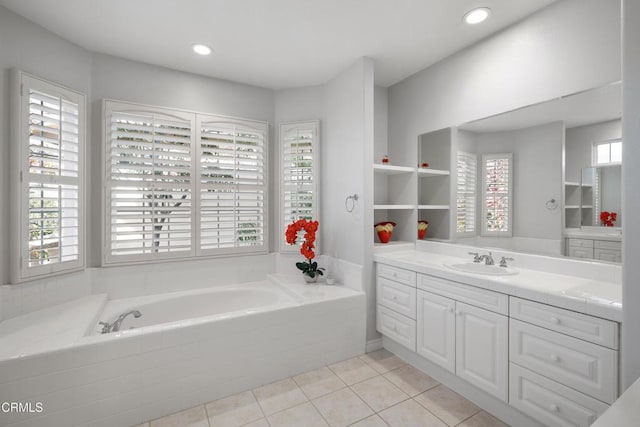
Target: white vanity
599	243
543	340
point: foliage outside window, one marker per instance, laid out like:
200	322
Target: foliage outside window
49	155
497	201
299	156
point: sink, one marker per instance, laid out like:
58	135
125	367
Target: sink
490	270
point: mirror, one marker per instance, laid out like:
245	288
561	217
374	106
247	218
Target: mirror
553	189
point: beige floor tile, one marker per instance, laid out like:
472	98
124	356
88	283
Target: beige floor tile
447	405
483	419
342	408
411	380
194	417
382	360
379	393
410	414
302	415
233	411
262	422
319	382
372	421
353	371
281	395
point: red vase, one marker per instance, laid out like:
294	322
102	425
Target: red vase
422	229
385	230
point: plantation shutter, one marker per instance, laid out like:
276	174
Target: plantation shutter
51	173
299	157
466	193
233	185
497	177
149	181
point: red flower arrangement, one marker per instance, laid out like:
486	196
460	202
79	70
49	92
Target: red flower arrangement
608	218
309	268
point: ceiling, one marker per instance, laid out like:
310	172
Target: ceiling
275	43
592	106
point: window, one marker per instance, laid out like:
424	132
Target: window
299	157
466	193
49	195
497	203
180	184
607	153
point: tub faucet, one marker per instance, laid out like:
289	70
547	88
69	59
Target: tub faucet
115	326
488	259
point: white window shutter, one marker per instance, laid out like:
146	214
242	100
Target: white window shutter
497	206
149	183
467	173
233	185
50	195
299	164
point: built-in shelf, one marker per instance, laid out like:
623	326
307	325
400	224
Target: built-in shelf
394	243
576	184
388	207
578	207
392	169
424	172
433	207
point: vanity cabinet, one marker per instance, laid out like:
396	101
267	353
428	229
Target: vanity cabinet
467	340
558	366
602	250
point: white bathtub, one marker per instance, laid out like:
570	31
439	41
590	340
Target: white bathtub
187	348
198	306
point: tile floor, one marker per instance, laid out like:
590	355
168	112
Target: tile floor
373	390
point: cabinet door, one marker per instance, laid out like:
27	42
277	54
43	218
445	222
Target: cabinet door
610	255
436	329
579	252
482	349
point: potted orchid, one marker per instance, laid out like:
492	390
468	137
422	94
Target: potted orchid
309	268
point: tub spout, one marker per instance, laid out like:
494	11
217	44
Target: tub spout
115	326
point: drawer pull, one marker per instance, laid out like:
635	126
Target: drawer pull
395	274
554	408
395	297
555	320
554	358
451	310
459	312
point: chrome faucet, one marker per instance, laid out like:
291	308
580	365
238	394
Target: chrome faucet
115	326
503	261
488	259
476	256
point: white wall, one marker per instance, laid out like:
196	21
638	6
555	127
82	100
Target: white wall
29	47
631	196
579	143
570	46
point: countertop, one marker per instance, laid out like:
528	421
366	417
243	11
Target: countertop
577	233
625	412
594	297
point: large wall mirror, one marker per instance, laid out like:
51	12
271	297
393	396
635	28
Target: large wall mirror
544	178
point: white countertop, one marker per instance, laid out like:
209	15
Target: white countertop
604	234
625	412
595	297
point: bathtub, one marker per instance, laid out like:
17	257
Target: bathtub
186	349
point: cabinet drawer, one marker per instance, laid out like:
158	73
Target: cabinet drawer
586	367
398	297
551	403
581	243
482	298
593	329
607	244
579	252
397	327
610	255
397	274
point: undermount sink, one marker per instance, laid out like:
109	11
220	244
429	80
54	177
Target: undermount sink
490	270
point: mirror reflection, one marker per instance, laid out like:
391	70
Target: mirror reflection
545	178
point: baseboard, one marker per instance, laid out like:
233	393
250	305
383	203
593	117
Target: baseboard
481	398
373	345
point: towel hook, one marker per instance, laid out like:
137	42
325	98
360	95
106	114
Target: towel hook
351	206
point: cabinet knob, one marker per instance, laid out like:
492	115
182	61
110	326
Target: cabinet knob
451	310
395	274
395	297
554	408
459	312
554	358
555	320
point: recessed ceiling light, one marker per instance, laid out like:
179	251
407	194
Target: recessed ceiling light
201	49
477	15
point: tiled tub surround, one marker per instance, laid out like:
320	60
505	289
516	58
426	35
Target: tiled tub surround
544	341
125	378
